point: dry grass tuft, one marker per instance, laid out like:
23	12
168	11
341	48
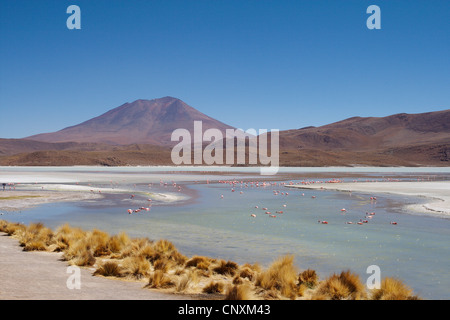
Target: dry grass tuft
393	289
109	269
199	262
281	276
345	286
12	228
214	287
226	268
239	292
247	273
186	280
35	237
308	278
163	264
167	250
136	267
159	279
99	243
117	243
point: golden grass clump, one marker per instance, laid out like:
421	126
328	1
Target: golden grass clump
109	269
134	247
3	225
65	236
136	267
79	252
186	280
99	243
247	273
214	287
199	262
159	279
393	289
281	276
239	292
308	278
226	268
12	228
118	242
345	286
35	237
163	264
166	249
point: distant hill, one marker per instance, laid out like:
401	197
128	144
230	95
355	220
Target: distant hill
371	133
138	133
400	139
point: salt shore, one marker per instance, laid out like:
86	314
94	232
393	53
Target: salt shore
436	193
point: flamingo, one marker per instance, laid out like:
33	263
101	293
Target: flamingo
343	210
130	211
393	222
253	215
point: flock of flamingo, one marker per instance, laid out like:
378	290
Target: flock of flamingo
234	184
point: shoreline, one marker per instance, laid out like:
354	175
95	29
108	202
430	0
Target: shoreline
169	274
50	272
436	193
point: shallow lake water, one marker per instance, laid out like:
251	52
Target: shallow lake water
415	250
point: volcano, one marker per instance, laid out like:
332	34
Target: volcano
149	122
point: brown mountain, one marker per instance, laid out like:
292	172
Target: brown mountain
139	133
374	132
140	122
400	139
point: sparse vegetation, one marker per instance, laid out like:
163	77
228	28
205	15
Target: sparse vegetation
162	266
393	289
345	286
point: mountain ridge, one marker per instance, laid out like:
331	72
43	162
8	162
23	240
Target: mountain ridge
144	127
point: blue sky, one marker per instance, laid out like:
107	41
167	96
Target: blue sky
249	63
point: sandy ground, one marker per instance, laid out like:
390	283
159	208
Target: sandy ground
43	276
437	193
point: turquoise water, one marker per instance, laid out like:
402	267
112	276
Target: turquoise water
415	250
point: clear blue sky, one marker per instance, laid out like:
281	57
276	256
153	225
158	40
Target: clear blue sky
249	63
